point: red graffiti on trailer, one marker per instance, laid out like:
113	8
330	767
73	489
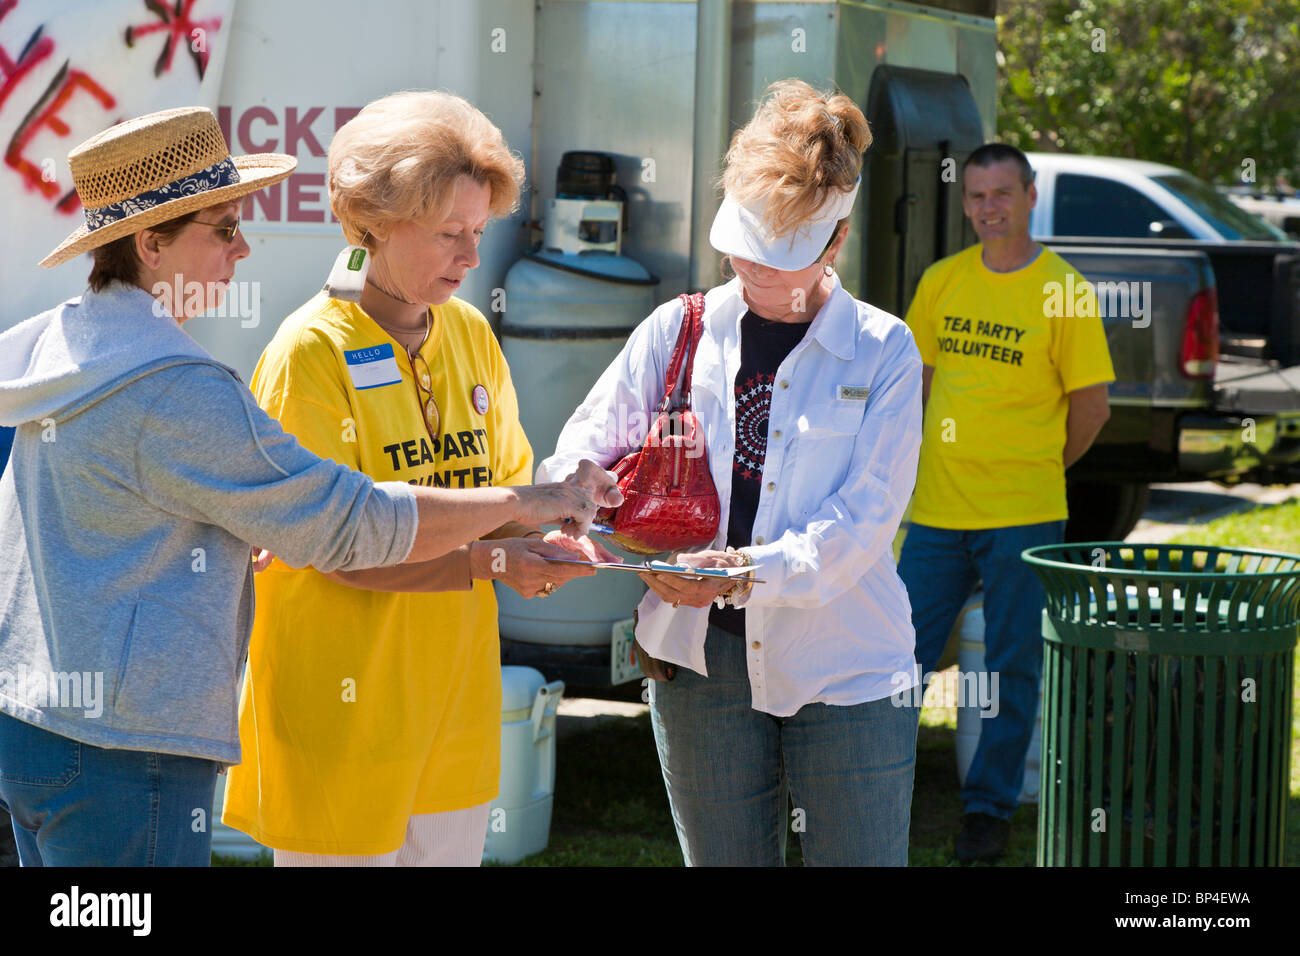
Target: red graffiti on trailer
181	28
12	71
61	89
44	114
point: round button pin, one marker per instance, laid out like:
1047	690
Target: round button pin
480	399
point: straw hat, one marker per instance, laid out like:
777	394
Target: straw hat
157	167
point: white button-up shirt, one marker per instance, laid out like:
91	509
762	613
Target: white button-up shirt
832	622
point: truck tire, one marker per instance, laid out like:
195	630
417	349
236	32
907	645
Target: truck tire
1104	512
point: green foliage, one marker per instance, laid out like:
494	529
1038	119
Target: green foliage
1199	84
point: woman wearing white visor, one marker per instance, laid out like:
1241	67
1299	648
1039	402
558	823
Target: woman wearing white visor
810	401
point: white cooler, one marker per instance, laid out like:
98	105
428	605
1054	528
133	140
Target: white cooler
520	821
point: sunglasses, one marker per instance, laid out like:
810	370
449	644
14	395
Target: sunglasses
229	230
424	392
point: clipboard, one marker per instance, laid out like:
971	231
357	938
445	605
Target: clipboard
663	567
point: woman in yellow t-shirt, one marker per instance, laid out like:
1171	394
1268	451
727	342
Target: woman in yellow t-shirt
370	714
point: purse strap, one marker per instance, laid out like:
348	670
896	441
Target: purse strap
688	340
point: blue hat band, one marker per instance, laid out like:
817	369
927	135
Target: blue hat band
213	177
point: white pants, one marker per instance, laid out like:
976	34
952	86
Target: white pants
454	838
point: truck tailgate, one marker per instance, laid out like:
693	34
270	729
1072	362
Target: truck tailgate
1145	349
1249	385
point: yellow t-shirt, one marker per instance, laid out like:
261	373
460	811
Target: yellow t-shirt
1006	349
363	708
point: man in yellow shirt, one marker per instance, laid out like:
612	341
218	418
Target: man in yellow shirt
1015	392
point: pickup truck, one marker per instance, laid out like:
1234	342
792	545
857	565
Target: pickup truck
1282	211
1207	356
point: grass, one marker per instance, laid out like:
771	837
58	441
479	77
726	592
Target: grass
611	809
221	859
615	812
1268	527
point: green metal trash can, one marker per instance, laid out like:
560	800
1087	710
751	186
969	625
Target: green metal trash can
1167	683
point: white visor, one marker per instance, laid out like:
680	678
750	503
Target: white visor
740	230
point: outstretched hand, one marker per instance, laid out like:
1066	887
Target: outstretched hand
521	563
573	501
581	546
603	487
693	592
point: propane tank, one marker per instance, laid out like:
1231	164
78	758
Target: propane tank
568	312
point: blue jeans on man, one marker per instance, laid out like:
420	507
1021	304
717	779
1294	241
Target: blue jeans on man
939	567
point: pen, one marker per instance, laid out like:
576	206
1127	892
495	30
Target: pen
596	526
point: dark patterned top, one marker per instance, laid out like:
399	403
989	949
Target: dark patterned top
763	347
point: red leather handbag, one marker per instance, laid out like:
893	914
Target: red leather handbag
669	500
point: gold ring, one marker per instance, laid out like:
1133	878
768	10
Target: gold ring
676	604
548	590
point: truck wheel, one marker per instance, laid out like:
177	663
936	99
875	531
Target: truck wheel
1103	512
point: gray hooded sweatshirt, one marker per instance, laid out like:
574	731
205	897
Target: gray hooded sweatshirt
142	473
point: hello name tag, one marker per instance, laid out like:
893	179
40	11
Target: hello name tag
372	367
853	393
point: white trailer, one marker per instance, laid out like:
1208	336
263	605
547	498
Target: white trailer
659	86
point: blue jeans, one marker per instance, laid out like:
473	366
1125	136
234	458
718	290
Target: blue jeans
939	567
77	805
727	766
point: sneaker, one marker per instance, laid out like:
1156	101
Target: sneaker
983	838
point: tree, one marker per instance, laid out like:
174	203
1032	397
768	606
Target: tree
1201	84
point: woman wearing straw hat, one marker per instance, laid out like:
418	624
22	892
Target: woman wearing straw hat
403	771
810	402
141	470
